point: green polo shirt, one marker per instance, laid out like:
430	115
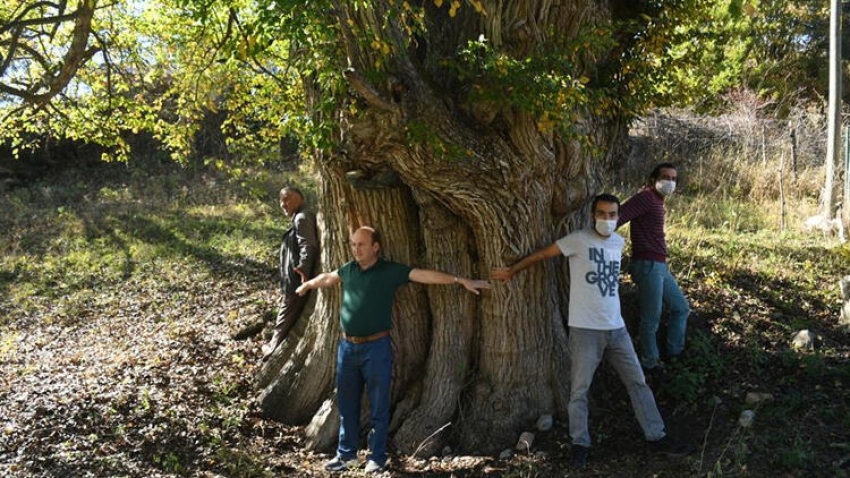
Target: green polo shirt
367	296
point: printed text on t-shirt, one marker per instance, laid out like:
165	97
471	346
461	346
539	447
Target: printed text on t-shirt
606	275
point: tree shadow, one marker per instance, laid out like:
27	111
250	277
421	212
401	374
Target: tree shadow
111	229
171	241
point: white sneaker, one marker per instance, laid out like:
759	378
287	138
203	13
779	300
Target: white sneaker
374	467
338	464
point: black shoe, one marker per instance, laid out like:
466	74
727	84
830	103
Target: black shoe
679	358
655	374
668	446
578	456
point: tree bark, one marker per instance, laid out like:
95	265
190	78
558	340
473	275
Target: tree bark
488	365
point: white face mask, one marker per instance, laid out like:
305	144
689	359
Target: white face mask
605	227
665	187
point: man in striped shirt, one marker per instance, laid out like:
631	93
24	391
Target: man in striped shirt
649	271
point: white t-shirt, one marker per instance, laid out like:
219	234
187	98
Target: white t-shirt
594	279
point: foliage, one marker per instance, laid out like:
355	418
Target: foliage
44	45
544	84
775	48
161	70
165	67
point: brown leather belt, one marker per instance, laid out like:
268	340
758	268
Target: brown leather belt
368	338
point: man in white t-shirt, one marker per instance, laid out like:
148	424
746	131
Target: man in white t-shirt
596	326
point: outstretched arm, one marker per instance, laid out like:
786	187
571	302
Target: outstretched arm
429	276
325	279
506	273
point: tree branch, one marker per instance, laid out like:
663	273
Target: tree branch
368	92
349	39
76	55
30	22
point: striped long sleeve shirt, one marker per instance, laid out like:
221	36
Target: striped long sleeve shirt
645	210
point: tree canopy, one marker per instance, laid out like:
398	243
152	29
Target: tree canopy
778	49
101	72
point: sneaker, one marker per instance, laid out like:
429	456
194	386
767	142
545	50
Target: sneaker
338	464
668	446
374	467
578	456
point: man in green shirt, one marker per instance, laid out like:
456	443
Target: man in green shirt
364	354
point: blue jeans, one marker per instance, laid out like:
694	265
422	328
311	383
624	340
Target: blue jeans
587	349
359	365
656	286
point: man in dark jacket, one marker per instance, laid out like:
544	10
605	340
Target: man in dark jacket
298	256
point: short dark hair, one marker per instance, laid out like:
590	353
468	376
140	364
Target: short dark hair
656	171
292	190
377	237
605	197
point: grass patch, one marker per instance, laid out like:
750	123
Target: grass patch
63	239
117	292
752	286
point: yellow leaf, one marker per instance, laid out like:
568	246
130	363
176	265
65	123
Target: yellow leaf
453	9
385	48
438	3
479	7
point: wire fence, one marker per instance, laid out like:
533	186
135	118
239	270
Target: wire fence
742	149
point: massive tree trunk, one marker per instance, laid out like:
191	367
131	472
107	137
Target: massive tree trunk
460	185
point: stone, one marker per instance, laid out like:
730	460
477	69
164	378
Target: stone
844	318
803	340
544	423
525	442
506	454
844	285
757	397
746	418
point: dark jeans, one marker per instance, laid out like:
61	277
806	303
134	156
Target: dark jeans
657	287
359	365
